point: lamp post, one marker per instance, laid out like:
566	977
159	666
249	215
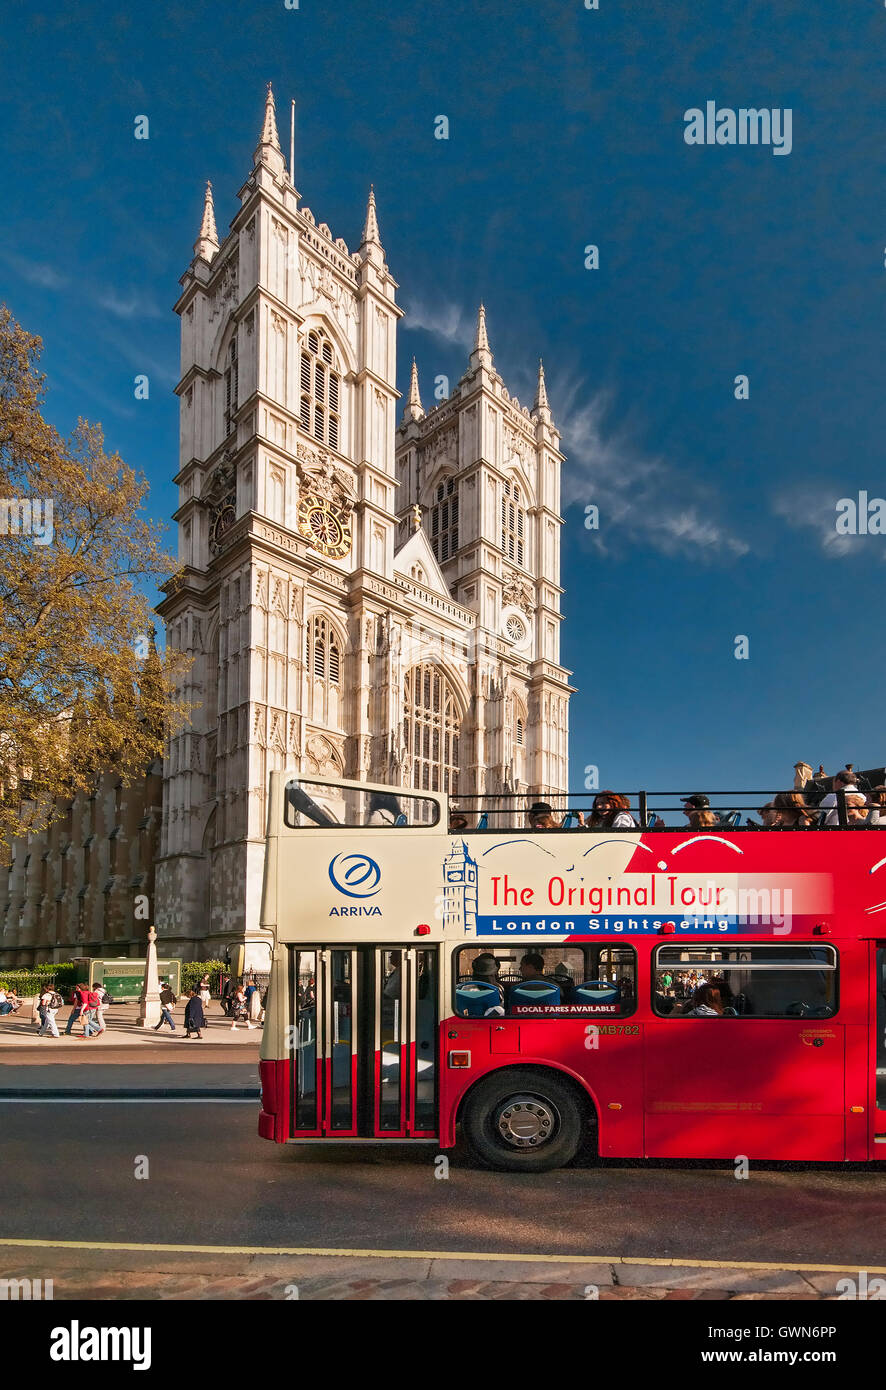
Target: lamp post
149	999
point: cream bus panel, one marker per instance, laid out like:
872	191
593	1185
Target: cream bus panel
361	863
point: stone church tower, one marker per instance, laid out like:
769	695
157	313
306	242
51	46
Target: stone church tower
360	599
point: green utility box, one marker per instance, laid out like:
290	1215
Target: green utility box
122	977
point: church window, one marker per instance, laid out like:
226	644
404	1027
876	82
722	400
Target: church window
431	729
320	388
444	520
323	657
231	385
519	733
515	629
513	523
324	653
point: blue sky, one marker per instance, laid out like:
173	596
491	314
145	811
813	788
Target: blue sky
717	516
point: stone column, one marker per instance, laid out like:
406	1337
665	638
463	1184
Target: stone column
149	999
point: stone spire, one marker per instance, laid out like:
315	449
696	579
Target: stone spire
482	354
269	134
541	393
371	247
414	408
268	150
206	244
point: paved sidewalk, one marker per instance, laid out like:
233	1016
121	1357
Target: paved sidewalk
121	1030
115	1275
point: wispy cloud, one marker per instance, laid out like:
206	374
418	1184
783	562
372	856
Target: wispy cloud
34	272
446	321
134	305
815	509
642	498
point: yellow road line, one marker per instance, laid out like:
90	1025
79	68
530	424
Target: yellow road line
756	1266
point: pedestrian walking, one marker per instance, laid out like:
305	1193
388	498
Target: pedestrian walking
253	1002
238	1009
77	1005
204	991
195	1019
101	995
49	1005
167	999
227	999
89	1013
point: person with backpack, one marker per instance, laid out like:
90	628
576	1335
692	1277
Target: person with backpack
167	999
49	1005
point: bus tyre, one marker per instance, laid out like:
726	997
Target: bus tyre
523	1121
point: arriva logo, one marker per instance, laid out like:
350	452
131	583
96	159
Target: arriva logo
355	875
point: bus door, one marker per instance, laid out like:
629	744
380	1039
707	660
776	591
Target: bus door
364	1040
403	1086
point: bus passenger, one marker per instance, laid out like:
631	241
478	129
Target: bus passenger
383	809
846	781
706	1003
877	806
713	999
457	821
791	811
532	966
698	809
485	968
541	817
612	811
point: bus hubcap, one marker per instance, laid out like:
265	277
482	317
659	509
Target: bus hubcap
526	1122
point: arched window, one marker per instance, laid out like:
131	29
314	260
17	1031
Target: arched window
431	729
444	520
518	745
319	389
323	659
232	374
513	523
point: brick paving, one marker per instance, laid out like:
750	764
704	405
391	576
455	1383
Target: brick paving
72	1282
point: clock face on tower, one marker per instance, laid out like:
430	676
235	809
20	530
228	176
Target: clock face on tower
221	520
325	525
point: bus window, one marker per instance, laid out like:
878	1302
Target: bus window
759	981
309	804
546	982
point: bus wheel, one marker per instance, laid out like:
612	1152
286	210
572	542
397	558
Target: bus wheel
523	1122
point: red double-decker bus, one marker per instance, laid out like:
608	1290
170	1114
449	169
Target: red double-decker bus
666	993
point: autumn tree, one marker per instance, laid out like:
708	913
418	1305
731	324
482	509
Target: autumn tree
82	687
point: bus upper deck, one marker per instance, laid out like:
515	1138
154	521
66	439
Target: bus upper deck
698	990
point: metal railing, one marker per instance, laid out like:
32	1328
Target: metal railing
725	811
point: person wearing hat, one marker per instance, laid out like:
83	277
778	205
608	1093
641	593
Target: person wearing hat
541	817
485	968
698	808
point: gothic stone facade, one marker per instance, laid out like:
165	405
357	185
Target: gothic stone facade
85	886
360	598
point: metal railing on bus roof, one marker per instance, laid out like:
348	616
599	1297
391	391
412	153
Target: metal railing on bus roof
808	812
